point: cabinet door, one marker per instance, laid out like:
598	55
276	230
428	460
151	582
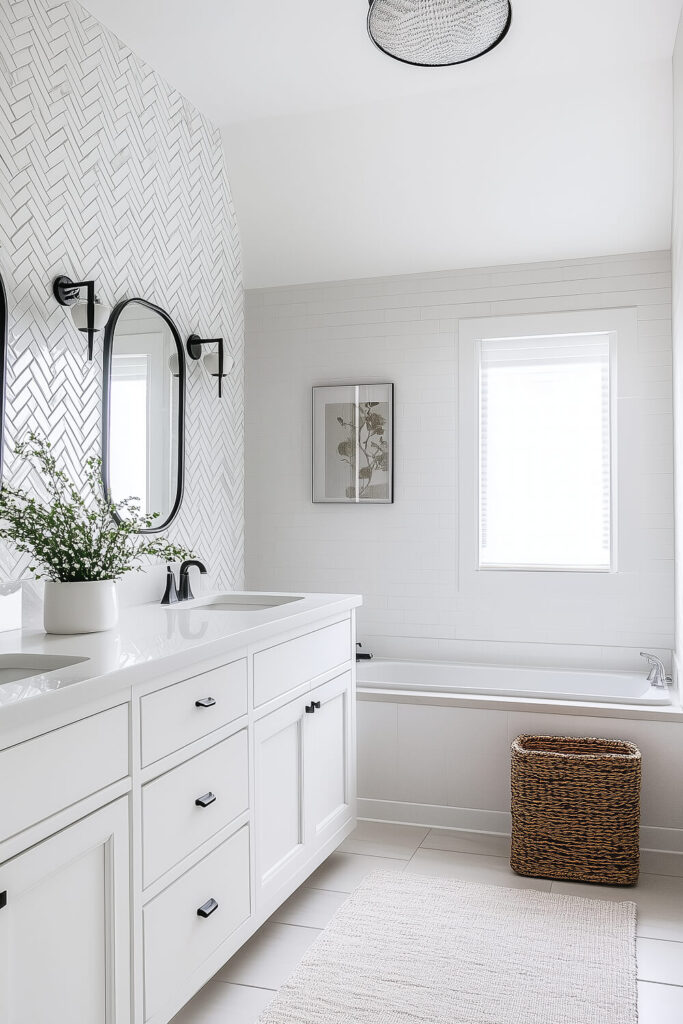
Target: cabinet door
64	926
280	846
329	764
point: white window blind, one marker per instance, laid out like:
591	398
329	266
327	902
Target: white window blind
544	453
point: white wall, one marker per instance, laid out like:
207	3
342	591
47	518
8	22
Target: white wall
538	168
404	557
677	257
107	172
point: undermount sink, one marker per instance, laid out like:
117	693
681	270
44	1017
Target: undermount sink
22	666
245	602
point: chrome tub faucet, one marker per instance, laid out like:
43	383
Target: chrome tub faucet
657	675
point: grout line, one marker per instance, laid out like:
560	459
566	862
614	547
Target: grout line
658	939
288	924
239	984
387	856
319	888
462	853
662	984
339	892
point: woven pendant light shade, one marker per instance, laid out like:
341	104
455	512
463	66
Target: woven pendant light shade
435	33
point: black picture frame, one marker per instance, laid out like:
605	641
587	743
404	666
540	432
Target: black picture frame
352	493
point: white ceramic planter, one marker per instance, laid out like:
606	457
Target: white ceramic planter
80	607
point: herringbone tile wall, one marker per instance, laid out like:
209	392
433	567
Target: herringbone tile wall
107	172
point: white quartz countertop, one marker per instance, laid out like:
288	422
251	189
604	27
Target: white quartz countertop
150	640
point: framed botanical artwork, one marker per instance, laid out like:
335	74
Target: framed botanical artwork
353	444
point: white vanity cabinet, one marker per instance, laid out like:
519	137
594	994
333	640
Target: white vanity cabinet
247	783
146	835
330	761
65	896
303	780
64	931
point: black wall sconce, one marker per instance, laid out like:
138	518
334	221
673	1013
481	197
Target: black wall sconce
90	316
216	363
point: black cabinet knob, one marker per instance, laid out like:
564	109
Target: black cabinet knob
205	702
309	709
207	909
316	704
204	801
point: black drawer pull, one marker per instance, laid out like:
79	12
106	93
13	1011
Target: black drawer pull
316	704
205	702
204	801
309	709
3	899
207	909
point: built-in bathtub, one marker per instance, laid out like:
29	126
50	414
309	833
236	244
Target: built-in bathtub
508	681
434	741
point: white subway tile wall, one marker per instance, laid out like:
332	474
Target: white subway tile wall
404	557
109	173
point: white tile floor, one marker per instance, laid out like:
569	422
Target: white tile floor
247	983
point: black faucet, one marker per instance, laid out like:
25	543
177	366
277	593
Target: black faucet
363	656
172	594
185	589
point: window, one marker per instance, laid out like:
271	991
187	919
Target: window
129	415
545	453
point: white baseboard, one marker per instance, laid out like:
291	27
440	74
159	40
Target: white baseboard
470	819
661	848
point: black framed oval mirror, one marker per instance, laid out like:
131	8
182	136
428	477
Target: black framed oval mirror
143	410
4	327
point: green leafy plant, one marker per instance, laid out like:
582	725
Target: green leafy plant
366	439
74	537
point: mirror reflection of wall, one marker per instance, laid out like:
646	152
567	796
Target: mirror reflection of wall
143	414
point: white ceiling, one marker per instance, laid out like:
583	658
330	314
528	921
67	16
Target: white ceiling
345	163
242	59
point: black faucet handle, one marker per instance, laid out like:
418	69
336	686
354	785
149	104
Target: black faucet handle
171	592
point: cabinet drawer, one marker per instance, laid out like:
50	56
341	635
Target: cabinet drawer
176	938
173	823
44	775
281	668
180	714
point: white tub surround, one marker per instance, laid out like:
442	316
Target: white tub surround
441	758
514	681
165	787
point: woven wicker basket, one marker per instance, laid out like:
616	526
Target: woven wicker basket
575	809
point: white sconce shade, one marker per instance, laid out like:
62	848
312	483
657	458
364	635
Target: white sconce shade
174	364
211	364
79	315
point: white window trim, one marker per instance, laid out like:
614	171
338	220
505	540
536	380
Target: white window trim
621	326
